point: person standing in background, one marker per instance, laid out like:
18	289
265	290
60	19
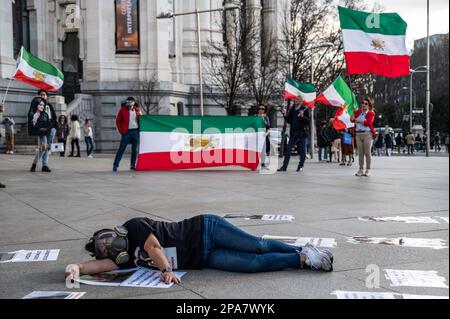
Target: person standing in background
88	137
2	109
9	135
262	112
410	141
389	141
299	119
62	132
49	109
75	135
365	135
127	122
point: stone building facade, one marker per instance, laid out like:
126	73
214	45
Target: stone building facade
80	37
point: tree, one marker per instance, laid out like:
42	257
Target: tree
225	60
148	95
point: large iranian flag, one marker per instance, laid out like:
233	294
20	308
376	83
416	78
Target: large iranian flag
177	143
38	73
340	95
375	43
293	89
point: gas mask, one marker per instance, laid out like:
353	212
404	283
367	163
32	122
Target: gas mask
111	244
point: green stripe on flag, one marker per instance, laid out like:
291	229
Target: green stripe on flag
346	93
201	125
303	87
384	23
41	65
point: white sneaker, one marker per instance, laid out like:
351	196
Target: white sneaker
90	156
12	153
360	173
368	173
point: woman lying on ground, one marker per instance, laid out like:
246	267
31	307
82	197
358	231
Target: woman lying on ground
201	242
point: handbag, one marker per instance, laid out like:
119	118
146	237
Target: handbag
348	139
57	148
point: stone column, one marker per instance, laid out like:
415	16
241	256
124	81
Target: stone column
154	42
100	41
7	62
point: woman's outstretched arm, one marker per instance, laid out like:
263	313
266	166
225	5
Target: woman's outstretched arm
89	268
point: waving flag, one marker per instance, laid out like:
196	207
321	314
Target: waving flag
178	143
340	95
38	73
293	89
375	43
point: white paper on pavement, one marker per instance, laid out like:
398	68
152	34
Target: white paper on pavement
146	278
364	295
302	241
380	295
30	256
278	218
54	295
400	219
432	243
415	278
137	278
264	217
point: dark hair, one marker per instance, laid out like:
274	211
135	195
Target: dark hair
61	117
87	121
131	99
74	118
371	103
42	91
90	247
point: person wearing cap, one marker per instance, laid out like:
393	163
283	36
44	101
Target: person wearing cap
127	122
204	241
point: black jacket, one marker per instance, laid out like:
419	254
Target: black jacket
44	125
299	125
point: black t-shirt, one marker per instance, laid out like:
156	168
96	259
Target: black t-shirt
185	236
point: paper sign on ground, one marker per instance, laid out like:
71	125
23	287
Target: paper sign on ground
404	242
54	295
415	278
264	217
29	256
302	241
380	295
399	219
138	278
445	219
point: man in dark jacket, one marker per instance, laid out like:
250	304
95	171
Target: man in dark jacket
127	122
299	119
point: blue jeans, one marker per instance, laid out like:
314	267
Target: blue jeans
325	151
131	137
44	153
89	145
301	141
228	248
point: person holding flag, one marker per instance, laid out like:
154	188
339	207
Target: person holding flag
365	135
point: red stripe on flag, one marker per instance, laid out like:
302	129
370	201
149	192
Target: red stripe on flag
391	66
289	96
19	76
168	161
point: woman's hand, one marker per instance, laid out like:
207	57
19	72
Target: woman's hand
169	277
72	272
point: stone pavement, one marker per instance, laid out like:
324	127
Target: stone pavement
61	210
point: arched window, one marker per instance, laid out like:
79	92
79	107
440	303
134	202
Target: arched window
21	26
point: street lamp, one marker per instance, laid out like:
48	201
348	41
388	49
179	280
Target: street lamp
421	69
197	12
313	124
428	102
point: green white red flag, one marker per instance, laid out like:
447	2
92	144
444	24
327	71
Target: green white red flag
178	143
340	95
38	73
375	43
293	89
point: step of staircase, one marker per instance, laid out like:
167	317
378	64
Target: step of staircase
21	149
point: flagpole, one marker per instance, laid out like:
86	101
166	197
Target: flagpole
7	90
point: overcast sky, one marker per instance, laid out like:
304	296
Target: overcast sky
415	14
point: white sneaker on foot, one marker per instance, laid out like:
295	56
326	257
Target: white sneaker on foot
360	173
368	173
